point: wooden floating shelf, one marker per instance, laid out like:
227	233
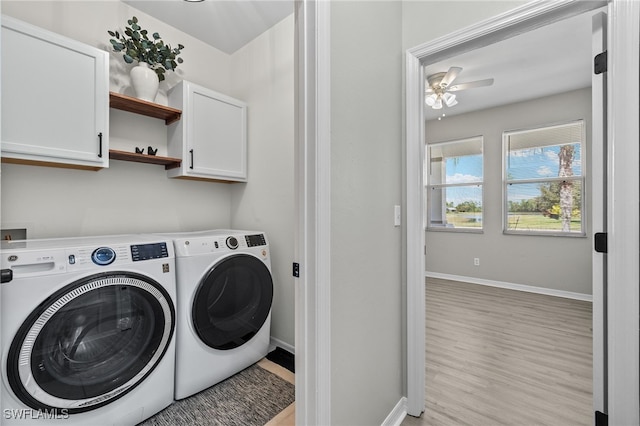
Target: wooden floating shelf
138	106
168	162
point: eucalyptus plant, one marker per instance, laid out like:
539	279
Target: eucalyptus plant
136	45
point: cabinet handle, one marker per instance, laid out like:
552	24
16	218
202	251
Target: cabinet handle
191	152
100	145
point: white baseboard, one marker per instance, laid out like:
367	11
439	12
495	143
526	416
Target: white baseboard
277	342
397	415
512	286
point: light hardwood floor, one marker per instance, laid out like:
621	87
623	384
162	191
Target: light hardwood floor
286	417
505	357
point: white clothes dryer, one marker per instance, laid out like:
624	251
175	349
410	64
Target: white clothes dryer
225	292
87	330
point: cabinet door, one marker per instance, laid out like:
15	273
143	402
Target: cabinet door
55	98
217	136
211	136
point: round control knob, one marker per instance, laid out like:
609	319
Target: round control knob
103	256
232	243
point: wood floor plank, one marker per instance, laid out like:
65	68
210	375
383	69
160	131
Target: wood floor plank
504	357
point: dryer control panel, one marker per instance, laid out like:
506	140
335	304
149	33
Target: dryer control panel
192	245
255	240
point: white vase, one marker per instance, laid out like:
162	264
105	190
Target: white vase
145	82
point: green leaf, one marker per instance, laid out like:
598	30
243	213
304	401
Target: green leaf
117	46
140	45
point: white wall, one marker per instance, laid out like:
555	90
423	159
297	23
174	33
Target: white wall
367	44
366	147
263	76
559	263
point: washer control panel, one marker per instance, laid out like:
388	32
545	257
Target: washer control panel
103	256
149	251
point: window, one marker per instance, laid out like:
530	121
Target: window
454	185
544	180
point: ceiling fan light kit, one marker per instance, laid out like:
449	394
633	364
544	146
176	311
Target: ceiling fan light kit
449	99
439	88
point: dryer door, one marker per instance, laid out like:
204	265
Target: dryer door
232	302
91	342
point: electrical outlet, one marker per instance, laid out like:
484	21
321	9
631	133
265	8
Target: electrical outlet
476	261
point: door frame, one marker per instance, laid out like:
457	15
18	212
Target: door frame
312	249
623	187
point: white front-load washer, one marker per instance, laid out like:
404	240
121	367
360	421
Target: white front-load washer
87	330
225	292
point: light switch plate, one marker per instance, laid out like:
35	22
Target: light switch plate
397	216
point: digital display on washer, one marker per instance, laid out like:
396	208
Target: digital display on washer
149	251
255	240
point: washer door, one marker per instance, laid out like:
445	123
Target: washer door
232	302
91	342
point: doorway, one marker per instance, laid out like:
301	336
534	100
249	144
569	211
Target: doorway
527	18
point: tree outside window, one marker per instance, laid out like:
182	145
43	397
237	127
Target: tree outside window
544	180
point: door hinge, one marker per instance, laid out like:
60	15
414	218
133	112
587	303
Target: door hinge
600	63
296	269
600	242
601	419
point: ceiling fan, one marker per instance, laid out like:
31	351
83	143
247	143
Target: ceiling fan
439	87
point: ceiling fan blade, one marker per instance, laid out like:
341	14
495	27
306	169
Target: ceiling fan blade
428	90
470	85
450	76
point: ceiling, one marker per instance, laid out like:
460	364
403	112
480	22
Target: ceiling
224	24
552	59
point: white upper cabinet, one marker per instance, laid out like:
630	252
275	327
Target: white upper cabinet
211	137
55	99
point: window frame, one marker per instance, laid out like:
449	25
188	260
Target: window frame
428	186
582	178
